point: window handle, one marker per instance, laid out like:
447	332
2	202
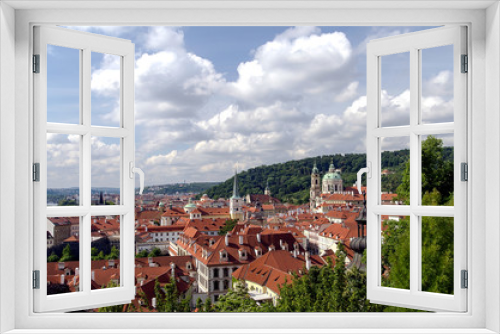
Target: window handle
368	172
134	170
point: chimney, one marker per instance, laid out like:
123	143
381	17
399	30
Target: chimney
60	265
93	275
308	260
150	260
62	279
111	263
281	243
153	302
240	239
195	247
227	239
172	266
258	237
77	272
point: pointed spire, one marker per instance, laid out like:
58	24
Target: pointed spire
235	185
315	168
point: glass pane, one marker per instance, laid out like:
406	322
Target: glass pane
105	89
395	89
437	169
105	251
106	156
395	170
437	84
396	251
63	169
63	85
63	249
437	254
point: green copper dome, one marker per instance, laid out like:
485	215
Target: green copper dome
161	204
332	176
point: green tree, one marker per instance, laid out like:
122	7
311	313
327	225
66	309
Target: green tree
207	307
114	254
143	253
236	300
154	252
339	281
67	202
437	232
66	254
228	226
199	304
53	257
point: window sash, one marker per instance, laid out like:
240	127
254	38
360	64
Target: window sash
85	297
412	43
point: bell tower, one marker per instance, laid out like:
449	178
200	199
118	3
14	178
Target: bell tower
236	202
315	187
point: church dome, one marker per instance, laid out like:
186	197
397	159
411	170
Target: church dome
162	204
332	176
190	205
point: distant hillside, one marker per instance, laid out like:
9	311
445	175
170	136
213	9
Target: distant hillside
290	181
181	188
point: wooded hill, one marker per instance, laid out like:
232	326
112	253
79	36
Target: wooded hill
290	181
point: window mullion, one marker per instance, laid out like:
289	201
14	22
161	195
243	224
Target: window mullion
415	173
85	228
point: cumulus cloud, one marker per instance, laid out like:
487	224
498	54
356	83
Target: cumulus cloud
297	96
298	62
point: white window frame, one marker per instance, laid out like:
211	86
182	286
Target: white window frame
482	315
413	43
86	43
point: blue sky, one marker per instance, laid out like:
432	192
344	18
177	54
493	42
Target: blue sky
210	97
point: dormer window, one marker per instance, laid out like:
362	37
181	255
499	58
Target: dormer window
258	251
223	255
242	254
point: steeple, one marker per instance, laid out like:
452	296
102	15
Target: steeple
315	168
236	193
267	191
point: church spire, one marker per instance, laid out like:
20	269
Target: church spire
235	185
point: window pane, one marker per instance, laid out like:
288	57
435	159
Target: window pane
437	254
105	251
63	249
437	84
395	89
63	169
106	156
437	169
396	251
63	85
395	167
105	88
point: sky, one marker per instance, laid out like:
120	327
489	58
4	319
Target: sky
208	99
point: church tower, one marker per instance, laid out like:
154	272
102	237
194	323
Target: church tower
267	191
315	187
236	202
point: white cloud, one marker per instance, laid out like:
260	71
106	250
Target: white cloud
298	62
348	93
164	38
298	96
